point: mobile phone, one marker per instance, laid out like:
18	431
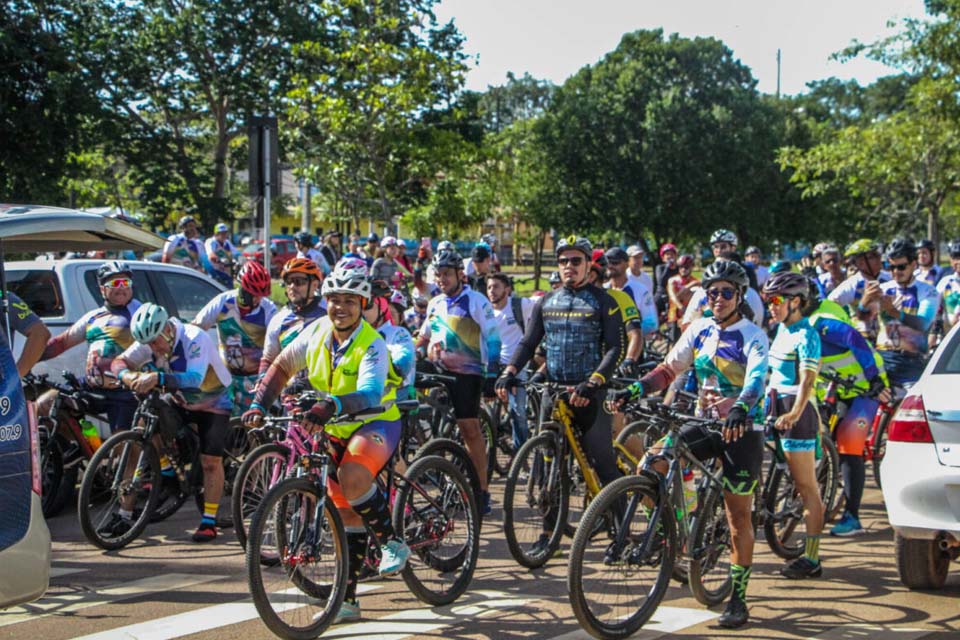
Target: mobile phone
425	242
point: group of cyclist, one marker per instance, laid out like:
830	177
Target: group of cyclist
356	325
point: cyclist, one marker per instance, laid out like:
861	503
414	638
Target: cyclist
949	288
330	248
220	252
304	241
183	359
832	274
907	309
583	334
301	279
752	260
729	356
390	268
700	305
927	269
478	267
794	361
490	240
379	313
723	241
369	249
184	248
616	259
460	333
106	330
662	274
414	317
635	255
555	280
860	293
680	289
241	317
847	353
349	363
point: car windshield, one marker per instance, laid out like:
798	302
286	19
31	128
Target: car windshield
949	362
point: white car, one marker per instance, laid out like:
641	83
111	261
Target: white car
920	472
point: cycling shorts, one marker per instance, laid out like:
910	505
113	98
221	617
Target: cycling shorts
803	435
213	429
851	432
465	394
370	446
742	459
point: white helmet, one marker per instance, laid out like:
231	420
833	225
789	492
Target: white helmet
346	281
148	322
445	245
354	267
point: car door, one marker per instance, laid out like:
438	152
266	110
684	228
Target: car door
184	293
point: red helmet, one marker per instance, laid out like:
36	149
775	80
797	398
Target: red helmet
254	279
669	246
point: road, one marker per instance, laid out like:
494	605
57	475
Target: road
165	586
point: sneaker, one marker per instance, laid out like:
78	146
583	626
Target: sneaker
349	612
485	508
116	527
848	526
393	557
802	567
205	533
735	615
541	546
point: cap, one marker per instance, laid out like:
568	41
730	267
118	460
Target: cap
634	250
616	254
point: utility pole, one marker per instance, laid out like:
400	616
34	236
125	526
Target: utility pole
778	74
305	216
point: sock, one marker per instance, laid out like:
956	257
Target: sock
126	514
209	514
854	474
356	552
811	548
740	576
375	511
166	469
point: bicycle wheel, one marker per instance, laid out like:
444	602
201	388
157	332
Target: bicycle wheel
298	596
828	477
709	550
264	467
125	470
635	438
52	499
880	447
618	576
784	513
536	500
488	428
436	515
503	430
454	452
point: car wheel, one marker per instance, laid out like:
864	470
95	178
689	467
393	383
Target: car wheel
921	563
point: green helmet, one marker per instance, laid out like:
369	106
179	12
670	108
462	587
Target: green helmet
860	247
148	322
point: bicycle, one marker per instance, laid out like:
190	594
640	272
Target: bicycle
537	495
298	595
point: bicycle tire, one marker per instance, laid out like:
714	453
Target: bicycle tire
710	542
784	513
53	477
488	429
243	501
274	507
456	453
503	429
594	528
828	477
546	468
432	576
111	483
879	447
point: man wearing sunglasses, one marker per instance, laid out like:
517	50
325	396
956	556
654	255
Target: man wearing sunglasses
583	333
729	356
106	330
860	293
184	248
908	308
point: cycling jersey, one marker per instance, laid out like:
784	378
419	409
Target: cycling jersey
949	290
179	249
795	349
699	307
466	331
917	299
414	319
284	327
844	351
849	293
930	275
241	335
107	333
628	310
403	353
318	259
583	334
223	252
193	369
827	282
649	320
675	286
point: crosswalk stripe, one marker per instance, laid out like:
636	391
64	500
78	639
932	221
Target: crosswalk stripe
665	620
58	604
873	632
195	621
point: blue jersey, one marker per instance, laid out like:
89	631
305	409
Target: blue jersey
916	299
795	349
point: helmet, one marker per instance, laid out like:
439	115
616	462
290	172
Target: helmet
723	235
555	278
860	247
398	299
445	245
902	248
254	279
489	239
781	266
306	266
669	246
953	248
752	250
480	252
686	260
573	242
787	283
356	267
185	220
373	237
449	259
388	241
112	268
726	271
926	244
303	237
344	281
148	322
820	247
599	257
221	228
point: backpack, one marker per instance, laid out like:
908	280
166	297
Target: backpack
516	305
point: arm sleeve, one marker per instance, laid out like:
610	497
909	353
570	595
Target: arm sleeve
134	358
489	331
756	371
531	337
371	381
207	317
70	338
926	312
271	344
402	352
614	337
293	358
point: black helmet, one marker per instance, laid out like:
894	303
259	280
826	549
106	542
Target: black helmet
724	235
112	268
573	242
555	278
902	248
926	244
185	220
787	283
303	237
726	271
449	259
480	252
953	248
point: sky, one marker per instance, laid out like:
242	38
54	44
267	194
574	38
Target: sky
553	39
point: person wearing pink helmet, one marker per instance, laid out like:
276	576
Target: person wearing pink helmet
661	276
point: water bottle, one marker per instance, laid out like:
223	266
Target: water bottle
689	490
91	434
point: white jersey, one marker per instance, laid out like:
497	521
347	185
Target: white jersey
510	332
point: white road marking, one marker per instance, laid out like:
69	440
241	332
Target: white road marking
872	632
195	621
665	620
57	604
58	572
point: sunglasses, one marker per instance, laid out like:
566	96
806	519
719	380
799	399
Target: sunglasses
296	282
830	261
727	294
576	261
777	300
899	267
118	283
